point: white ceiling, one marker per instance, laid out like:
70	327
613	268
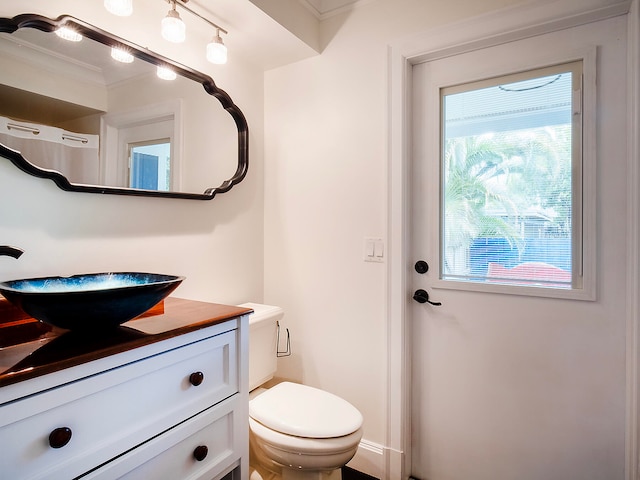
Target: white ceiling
327	7
255	33
272	33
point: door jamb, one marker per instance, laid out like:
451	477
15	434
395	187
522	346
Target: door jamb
632	452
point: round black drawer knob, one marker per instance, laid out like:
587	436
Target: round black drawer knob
59	437
196	378
200	453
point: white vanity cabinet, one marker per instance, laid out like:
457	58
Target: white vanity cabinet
172	409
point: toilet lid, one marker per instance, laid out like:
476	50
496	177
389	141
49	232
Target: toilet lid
304	411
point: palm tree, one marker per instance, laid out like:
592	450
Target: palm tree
489	180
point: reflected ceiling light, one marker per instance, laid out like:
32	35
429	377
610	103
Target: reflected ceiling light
165	73
217	50
173	28
122	8
68	34
121	55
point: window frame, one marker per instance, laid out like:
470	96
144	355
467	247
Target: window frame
583	186
113	131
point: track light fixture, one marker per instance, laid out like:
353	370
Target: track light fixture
122	8
173	28
216	50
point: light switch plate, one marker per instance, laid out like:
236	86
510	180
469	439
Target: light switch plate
374	249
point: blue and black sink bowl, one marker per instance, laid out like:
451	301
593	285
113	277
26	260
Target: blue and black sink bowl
95	302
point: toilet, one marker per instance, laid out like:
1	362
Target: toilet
295	431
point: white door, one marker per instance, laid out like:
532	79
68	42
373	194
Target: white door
517	382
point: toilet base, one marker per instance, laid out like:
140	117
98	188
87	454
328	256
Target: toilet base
261	474
262	469
257	473
291	474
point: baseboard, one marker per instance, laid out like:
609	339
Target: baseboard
369	459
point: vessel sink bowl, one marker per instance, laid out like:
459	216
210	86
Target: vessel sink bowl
89	302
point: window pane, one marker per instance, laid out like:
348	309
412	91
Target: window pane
151	165
507	177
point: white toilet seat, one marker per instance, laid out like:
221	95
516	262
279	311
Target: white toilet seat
305	445
303	411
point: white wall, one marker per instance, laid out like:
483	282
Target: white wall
326	187
216	244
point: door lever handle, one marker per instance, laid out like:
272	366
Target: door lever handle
421	296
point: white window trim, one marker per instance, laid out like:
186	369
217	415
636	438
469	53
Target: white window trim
586	290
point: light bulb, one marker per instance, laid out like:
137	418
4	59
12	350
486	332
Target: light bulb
121	55
173	28
217	51
122	8
166	73
68	34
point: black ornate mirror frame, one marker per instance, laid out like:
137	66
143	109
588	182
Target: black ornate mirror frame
45	24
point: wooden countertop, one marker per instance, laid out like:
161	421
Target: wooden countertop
29	348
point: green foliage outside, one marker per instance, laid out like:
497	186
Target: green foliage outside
493	182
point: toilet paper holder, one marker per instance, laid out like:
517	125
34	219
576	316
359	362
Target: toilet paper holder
287	351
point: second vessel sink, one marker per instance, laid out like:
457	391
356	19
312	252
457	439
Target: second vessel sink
89	302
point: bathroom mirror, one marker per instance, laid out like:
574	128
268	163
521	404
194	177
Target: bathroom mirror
96	113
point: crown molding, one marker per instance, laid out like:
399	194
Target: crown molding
316	7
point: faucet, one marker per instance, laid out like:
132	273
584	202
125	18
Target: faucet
8	251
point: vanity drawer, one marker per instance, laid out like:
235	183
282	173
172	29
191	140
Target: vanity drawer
114	411
212	436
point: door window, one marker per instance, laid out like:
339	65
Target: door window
511	176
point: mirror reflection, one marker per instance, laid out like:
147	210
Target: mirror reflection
108	114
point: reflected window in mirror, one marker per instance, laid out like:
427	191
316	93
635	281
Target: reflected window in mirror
136	132
150	165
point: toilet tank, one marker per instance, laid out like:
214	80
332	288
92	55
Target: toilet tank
263	338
